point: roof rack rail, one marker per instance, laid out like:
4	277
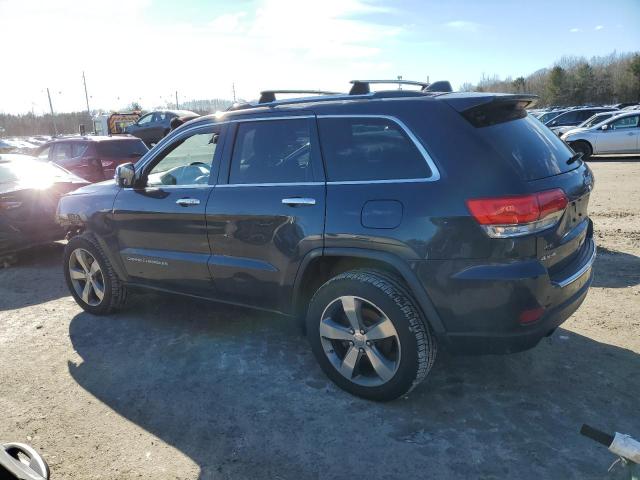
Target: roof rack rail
268	96
362	87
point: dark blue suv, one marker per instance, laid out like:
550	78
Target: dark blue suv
390	221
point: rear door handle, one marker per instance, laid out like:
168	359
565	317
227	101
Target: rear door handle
187	202
298	201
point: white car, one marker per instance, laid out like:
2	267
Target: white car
619	134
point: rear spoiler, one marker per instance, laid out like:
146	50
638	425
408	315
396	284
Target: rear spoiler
484	109
466	101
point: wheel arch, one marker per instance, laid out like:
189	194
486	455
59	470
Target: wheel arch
320	265
585	141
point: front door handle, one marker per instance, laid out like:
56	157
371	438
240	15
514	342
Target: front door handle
298	201
187	202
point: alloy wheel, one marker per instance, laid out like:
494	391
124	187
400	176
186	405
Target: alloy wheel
360	341
86	277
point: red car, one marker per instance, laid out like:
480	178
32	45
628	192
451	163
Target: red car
93	158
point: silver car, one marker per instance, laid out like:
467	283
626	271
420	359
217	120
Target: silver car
619	134
589	122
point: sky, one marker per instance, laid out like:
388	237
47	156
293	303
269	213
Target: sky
146	50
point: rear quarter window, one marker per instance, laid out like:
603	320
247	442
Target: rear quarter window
122	148
368	149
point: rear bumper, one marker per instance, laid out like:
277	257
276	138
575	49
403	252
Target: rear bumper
482	315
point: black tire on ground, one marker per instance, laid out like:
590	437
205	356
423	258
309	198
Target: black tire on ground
115	293
582	147
417	345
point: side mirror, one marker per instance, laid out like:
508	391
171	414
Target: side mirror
604	127
125	175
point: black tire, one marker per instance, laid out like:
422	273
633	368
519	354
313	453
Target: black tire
115	292
582	147
416	342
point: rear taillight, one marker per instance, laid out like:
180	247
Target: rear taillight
515	216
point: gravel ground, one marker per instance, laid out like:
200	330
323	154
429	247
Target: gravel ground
175	388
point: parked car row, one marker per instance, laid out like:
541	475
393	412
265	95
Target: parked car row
613	129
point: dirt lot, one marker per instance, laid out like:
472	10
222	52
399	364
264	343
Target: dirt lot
177	388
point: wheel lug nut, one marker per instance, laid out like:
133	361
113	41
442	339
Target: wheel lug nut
361	350
352	331
368	343
351	342
362	332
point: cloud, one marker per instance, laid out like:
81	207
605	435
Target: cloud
228	23
575	30
463	25
265	43
599	27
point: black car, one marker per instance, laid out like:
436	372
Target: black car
153	126
390	221
576	116
29	193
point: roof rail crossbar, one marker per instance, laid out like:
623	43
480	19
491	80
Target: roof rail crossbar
362	87
268	96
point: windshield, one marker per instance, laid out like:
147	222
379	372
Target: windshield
600	117
33	173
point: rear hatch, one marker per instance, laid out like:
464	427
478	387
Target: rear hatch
544	163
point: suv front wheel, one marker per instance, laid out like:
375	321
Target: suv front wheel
90	276
369	336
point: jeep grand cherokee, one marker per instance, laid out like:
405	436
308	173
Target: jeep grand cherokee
391	221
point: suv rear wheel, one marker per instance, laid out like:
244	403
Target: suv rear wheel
90	277
368	335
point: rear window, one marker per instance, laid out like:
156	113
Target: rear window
530	145
122	148
366	149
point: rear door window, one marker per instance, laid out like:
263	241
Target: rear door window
532	147
272	151
368	149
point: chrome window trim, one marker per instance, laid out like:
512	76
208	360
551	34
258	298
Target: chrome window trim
284	184
201	186
435	173
366	182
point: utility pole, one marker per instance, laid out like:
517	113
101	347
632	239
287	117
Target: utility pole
233	87
399	85
177	107
53	117
86	95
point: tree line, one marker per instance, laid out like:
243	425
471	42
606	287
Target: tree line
610	79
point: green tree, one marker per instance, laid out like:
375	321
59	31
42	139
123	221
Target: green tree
555	88
634	68
519	84
583	84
